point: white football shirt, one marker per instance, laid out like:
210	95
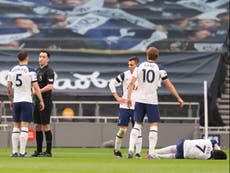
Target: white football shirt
198	149
124	80
22	77
149	76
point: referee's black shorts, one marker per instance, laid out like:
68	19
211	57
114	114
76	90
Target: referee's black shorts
42	117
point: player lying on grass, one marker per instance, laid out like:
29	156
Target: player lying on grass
193	149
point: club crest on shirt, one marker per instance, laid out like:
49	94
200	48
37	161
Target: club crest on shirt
40	77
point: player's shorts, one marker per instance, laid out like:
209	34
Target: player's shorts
142	109
42	117
125	116
22	111
180	150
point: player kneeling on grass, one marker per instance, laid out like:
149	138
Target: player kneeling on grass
203	149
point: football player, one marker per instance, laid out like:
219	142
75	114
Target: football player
21	79
148	74
193	149
125	114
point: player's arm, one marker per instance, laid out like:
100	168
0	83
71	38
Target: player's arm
118	98
10	93
130	90
173	90
217	147
215	144
47	88
50	79
39	95
112	86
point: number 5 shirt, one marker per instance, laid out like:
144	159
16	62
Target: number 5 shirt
22	77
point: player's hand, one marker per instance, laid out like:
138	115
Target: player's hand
122	100
11	105
181	102
33	91
129	103
42	106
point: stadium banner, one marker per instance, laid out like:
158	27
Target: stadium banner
112	25
88	72
216	137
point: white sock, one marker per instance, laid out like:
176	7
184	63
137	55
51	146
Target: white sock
133	136
167	150
15	139
139	143
153	135
167	156
119	138
23	139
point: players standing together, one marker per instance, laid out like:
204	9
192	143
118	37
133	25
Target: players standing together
23	82
140	98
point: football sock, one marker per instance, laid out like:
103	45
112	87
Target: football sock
139	143
39	140
15	139
23	139
167	156
153	135
48	135
166	150
133	136
119	137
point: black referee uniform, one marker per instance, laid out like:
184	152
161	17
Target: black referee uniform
45	76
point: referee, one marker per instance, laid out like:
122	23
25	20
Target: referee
45	77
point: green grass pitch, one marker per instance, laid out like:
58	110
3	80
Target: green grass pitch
101	160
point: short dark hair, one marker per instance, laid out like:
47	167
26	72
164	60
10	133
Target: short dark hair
219	155
134	58
45	51
22	55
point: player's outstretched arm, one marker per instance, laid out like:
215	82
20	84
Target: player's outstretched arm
173	90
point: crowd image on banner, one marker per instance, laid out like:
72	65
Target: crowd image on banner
114	25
